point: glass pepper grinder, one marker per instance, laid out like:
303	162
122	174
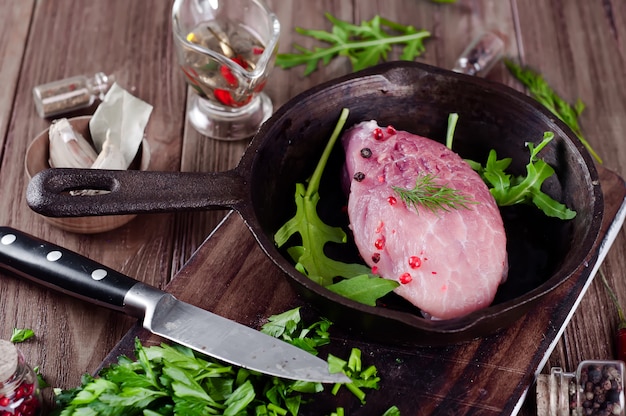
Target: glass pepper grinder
70	94
19	390
480	55
596	388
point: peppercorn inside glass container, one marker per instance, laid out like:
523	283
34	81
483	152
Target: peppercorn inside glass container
596	388
19	390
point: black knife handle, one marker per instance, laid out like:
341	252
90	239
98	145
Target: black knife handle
62	269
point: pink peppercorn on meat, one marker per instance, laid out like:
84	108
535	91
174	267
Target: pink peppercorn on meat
448	262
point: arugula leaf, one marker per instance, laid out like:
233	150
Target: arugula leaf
21	335
365	44
508	190
310	257
542	92
366	288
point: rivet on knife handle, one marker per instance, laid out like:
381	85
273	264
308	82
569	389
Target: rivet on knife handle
62	270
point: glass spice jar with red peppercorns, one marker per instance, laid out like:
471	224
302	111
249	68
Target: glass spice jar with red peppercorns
19	390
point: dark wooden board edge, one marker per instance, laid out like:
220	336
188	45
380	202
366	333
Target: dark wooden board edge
485	376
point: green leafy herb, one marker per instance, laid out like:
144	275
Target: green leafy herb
353	368
364	288
542	92
21	335
310	257
40	379
510	190
288	326
392	411
365	45
432	196
453	118
169	380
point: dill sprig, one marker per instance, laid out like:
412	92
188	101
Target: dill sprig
432	196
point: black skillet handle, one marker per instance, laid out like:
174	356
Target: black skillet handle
62	269
132	191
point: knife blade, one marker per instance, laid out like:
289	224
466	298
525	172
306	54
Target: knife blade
162	314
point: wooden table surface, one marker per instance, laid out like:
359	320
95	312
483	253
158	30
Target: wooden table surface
578	45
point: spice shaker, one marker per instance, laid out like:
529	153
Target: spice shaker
480	55
596	388
70	94
19	390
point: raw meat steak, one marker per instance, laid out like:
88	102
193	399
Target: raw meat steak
449	263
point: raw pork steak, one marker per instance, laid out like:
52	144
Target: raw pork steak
448	263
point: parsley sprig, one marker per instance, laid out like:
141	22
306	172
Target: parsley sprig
429	194
365	44
311	260
21	334
172	379
542	92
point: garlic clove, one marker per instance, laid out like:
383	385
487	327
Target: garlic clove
68	148
110	157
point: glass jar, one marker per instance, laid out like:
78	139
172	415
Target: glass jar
480	55
19	390
70	94
596	388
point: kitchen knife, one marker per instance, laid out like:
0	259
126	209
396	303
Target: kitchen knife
162	314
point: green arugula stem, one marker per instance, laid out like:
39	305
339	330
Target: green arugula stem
539	89
360	394
620	312
453	118
278	410
314	182
365	44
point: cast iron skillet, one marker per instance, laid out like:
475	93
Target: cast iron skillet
410	96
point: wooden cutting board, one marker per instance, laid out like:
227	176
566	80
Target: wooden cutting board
231	276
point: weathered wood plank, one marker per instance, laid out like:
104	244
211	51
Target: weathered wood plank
578	45
14	27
